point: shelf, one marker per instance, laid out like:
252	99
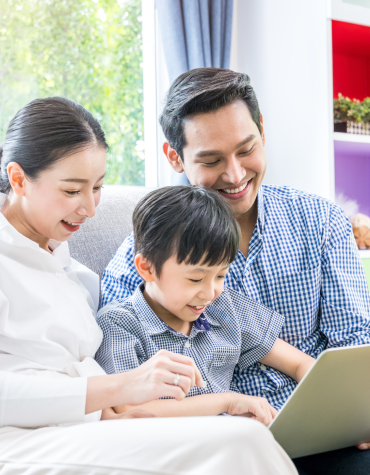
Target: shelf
365	254
354	138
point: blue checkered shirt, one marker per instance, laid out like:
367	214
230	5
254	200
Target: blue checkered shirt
303	263
233	330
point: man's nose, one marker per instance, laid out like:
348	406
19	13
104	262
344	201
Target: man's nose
234	172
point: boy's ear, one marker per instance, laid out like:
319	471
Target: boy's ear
144	268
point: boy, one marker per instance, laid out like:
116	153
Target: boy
185	239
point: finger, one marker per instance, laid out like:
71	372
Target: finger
259	414
183	382
186	360
185	371
173	391
364	446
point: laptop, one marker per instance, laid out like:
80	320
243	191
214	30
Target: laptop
330	407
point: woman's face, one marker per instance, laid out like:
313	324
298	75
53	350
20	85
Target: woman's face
61	199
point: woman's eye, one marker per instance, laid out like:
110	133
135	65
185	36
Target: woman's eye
97	188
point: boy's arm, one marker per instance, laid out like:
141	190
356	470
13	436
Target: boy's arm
210	405
288	359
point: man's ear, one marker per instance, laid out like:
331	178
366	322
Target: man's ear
173	157
17	178
262	130
144	268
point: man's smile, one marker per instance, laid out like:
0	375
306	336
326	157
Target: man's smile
236	193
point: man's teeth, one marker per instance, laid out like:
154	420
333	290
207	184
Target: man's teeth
235	190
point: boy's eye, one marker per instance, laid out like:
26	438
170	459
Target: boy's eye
221	276
195	281
72	192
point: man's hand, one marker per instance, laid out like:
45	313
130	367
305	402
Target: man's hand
109	414
364	446
251	406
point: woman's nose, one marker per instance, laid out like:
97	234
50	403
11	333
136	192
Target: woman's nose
87	207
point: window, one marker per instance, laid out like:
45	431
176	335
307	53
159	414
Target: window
87	50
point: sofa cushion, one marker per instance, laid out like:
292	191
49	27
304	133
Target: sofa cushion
96	242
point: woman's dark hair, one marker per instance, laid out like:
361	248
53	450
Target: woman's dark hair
43	132
200	91
193	224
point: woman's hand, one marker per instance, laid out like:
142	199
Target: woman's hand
152	380
156	378
250	406
109	414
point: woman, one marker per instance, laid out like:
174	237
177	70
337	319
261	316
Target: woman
52	170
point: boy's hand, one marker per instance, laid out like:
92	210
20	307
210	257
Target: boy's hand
250	406
109	414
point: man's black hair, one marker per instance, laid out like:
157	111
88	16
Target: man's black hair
193	224
204	90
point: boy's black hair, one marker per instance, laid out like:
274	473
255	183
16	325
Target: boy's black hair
193	224
204	90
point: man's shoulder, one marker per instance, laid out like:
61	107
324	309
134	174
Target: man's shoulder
287	195
300	202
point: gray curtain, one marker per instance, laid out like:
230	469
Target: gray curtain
195	34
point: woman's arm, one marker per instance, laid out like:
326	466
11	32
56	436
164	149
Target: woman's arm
288	359
151	380
210	405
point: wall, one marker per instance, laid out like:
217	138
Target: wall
285	47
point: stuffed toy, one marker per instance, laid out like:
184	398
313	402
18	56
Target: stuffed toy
361	230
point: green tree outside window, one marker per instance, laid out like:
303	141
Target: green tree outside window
87	50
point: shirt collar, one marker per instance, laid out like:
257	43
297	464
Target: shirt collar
153	323
260	210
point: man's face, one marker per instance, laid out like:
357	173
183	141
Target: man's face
225	152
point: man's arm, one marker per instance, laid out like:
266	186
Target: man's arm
288	359
120	278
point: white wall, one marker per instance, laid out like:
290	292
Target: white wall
285	47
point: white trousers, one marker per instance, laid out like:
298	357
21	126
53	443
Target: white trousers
173	446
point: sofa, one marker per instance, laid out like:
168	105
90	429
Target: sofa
98	239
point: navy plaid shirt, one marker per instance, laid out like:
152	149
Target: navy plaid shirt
303	263
233	330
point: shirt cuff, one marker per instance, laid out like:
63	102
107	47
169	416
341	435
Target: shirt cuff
31	401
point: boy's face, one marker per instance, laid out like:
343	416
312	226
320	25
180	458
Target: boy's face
185	290
224	151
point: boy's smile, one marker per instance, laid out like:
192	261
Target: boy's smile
182	292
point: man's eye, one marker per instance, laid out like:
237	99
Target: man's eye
195	281
247	152
211	164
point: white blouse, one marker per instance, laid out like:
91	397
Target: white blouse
48	332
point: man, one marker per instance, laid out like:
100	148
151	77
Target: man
297	254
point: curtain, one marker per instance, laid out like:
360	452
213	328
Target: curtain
195	34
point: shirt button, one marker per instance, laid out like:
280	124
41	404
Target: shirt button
247	273
263	367
187	344
58	274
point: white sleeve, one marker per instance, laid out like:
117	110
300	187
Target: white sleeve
29	401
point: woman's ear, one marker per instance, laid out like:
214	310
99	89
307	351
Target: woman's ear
17	178
144	268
